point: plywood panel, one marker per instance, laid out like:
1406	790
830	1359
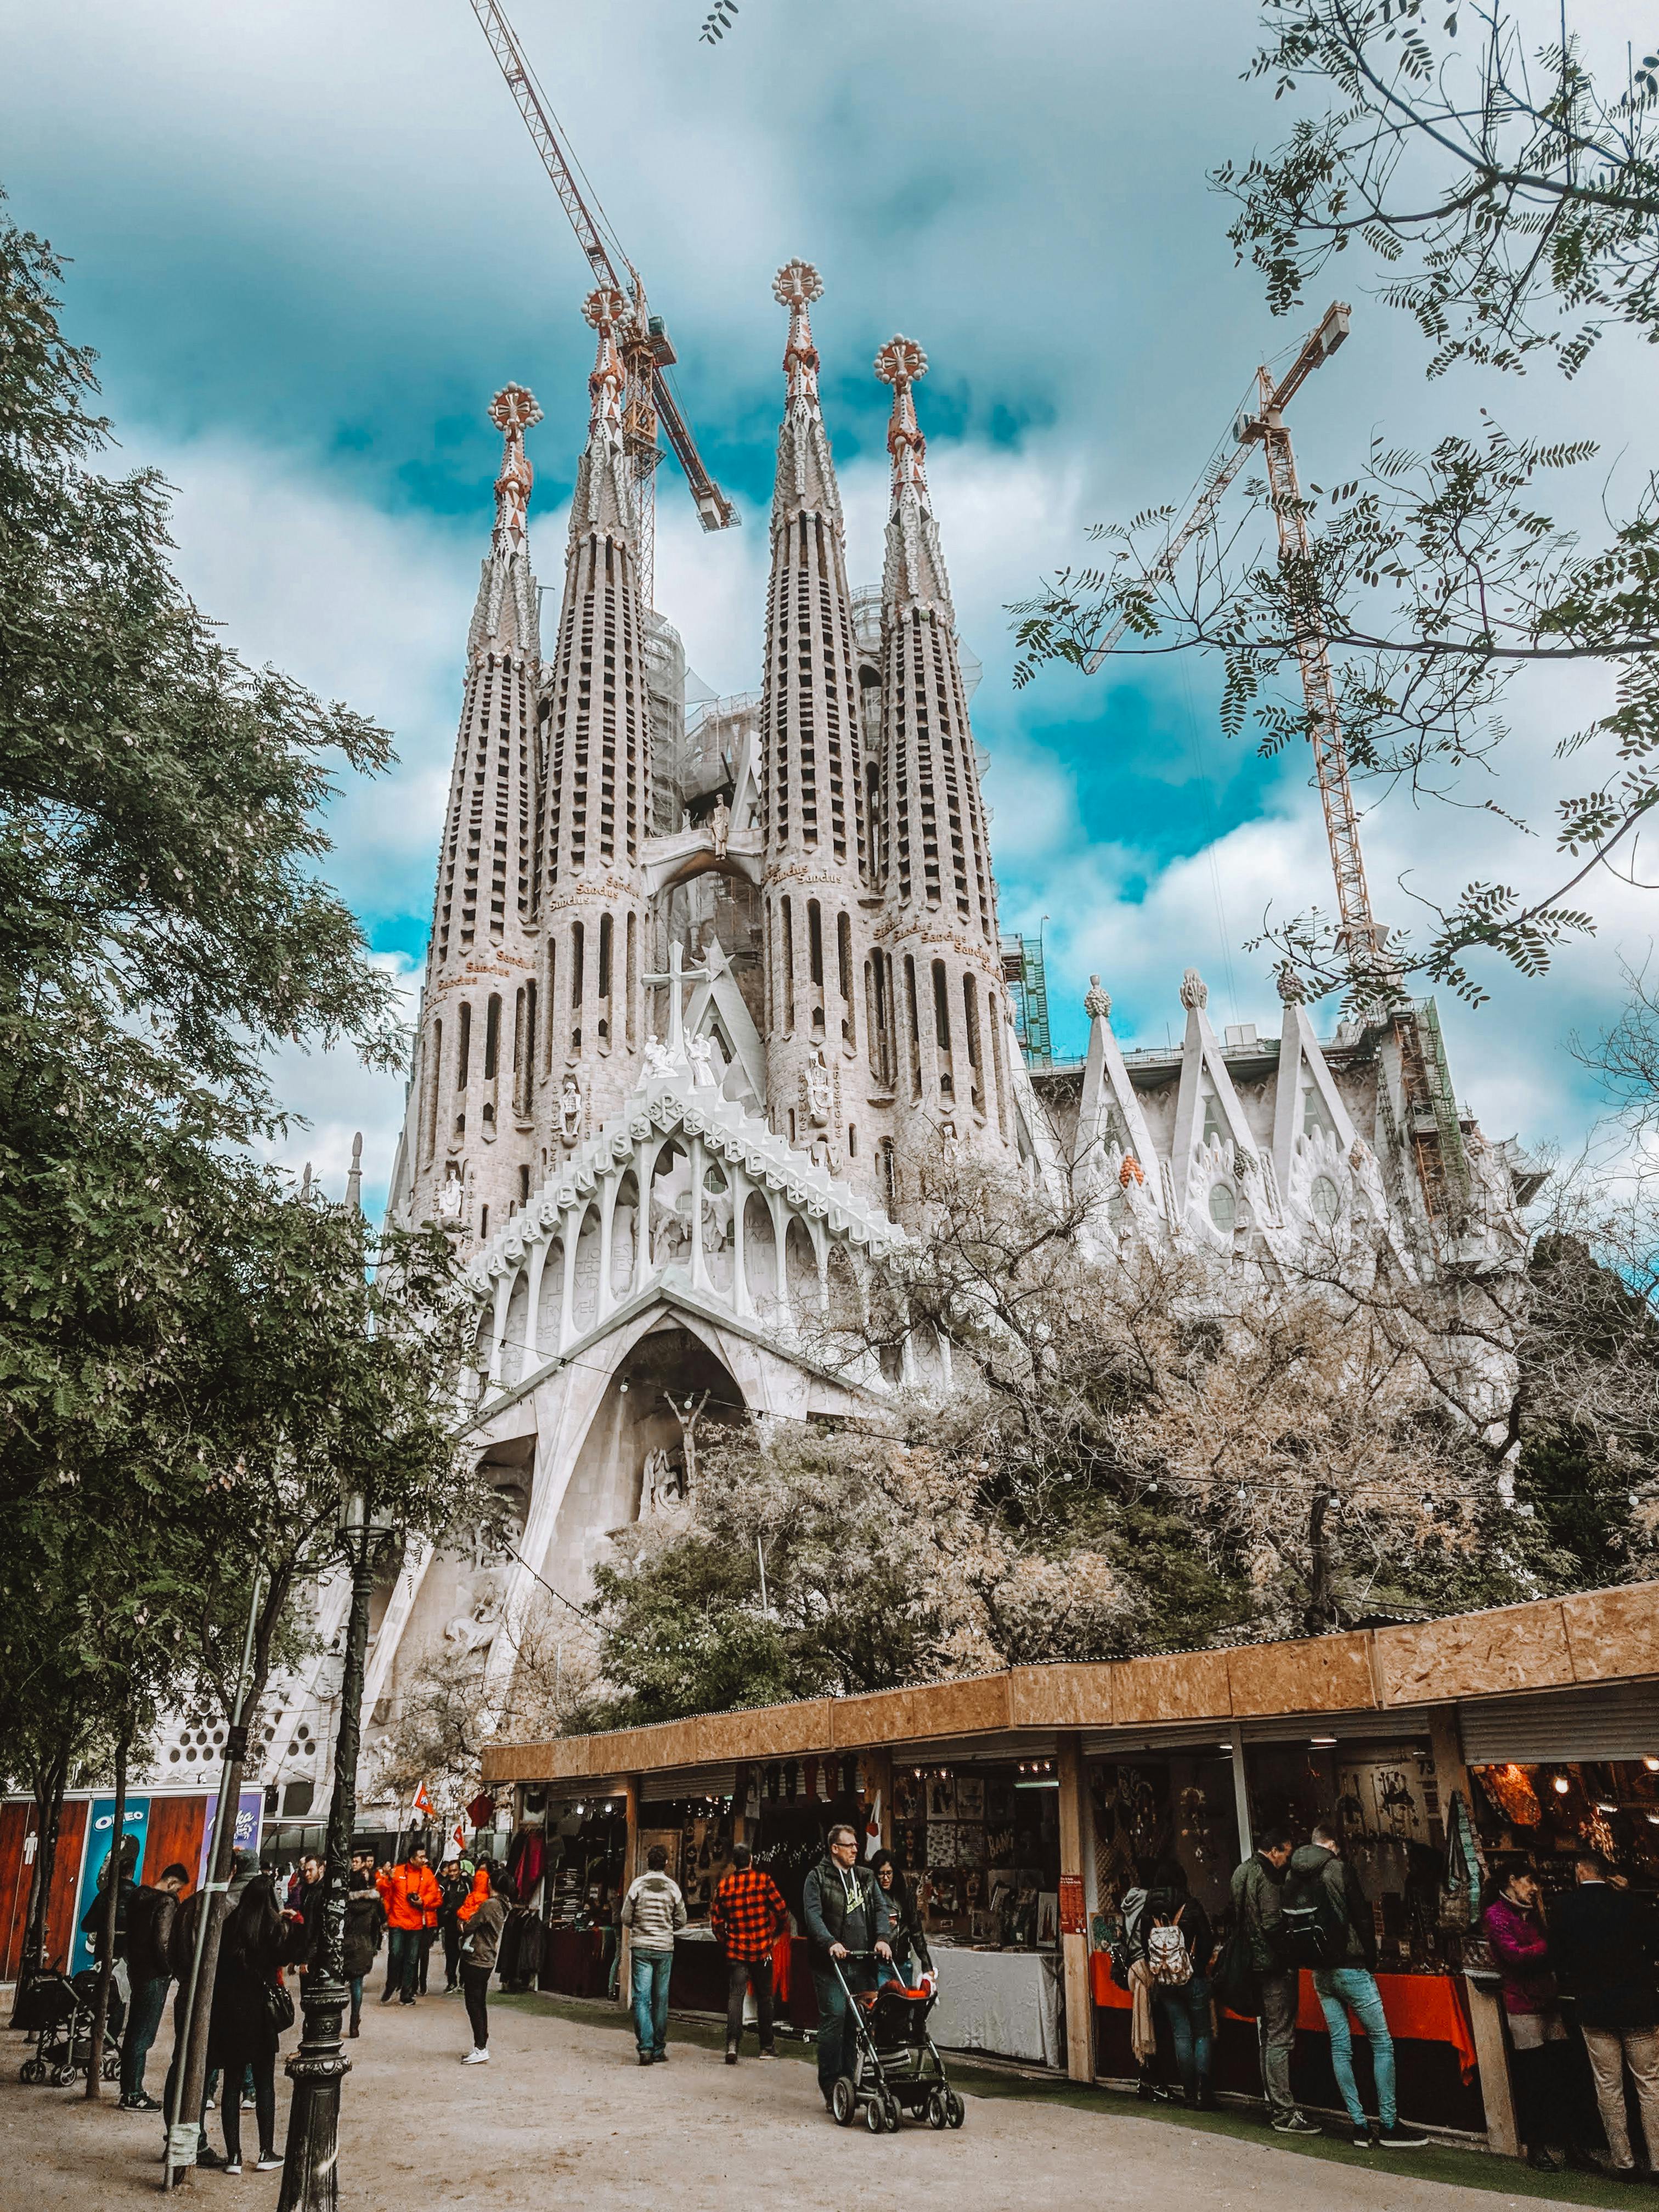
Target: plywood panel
1612	1633
1326	1675
65	1882
1178	1686
16	1822
1062	1697
1474	1655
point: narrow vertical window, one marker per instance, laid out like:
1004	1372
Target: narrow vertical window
788	967
463	1052
578	949
492	1037
630	979
529	1086
941	1007
434	1079
815	940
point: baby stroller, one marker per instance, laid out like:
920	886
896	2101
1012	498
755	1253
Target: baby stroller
62	2014
897	2068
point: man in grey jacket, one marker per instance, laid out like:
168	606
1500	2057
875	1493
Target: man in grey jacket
653	1908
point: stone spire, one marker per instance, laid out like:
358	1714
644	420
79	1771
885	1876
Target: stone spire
821	1066
594	810
933	859
468	1133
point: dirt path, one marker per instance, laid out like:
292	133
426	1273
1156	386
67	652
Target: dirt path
563	2114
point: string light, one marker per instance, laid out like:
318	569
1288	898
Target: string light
1560	1784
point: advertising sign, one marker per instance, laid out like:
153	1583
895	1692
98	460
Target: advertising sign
250	1807
100	1826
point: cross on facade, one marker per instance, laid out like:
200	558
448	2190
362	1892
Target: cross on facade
678	974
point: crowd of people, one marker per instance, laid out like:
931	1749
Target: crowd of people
1296	1907
271	1938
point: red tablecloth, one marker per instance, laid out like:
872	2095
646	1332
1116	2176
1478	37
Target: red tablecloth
1418	2008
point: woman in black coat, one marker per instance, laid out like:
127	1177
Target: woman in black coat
906	1936
365	1925
257	1941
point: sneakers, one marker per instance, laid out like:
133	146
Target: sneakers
231	2166
646	2058
659	2058
731	2057
269	2163
1362	2135
1401	2136
1295	2124
767	2051
475	2058
138	2102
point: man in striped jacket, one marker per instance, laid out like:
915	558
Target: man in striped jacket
748	1915
652	1910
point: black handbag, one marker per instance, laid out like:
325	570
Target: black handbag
279	2007
1233	1982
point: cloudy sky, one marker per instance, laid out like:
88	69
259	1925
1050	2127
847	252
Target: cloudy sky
309	241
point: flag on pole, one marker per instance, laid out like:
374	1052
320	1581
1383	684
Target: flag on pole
423	1804
873	1827
458	1836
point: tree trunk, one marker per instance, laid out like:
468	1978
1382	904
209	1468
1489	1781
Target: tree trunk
112	1909
1319	1617
50	1785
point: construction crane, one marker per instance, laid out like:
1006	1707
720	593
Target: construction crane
1436	1132
649	404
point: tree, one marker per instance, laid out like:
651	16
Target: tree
1435	578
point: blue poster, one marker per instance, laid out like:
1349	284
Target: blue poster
101	1823
249	1810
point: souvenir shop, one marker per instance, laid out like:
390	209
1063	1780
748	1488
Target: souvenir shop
565	1860
1022	1807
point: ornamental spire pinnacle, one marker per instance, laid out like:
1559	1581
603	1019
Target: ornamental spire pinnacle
505	618
603	498
913	573
806	480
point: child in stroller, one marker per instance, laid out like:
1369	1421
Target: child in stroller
897	2068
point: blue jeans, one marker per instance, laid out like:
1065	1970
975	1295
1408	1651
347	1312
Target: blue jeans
835	2046
354	1983
1342	1989
145	2013
650	1971
1185	2012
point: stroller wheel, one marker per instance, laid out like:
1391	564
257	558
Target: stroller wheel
955	2111
112	2066
843	2103
936	2112
892	2113
31	2071
63	2075
874	2115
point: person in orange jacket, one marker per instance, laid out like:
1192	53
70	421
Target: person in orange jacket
411	1897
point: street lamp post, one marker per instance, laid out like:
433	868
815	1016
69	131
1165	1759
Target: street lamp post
311	2161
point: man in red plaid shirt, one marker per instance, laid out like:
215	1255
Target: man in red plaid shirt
748	1915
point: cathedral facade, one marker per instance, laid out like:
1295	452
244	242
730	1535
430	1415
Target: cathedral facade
702	996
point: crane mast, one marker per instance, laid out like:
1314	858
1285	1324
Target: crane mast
1435	1131
648	405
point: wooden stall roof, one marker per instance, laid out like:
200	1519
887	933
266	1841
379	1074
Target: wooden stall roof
1597	1636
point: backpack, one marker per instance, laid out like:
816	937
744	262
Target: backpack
1313	1925
1168	1960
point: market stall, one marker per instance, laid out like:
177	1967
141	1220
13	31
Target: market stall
567	1860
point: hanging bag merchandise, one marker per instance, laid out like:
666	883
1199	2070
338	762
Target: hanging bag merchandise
1168	1960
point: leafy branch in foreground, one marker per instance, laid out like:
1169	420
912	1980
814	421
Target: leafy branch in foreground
1517	200
1434	580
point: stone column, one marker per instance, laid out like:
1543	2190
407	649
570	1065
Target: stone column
572	1220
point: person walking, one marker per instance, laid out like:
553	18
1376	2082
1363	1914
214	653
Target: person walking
1602	1947
365	1925
844	1909
906	1937
747	1915
181	1955
456	1890
1326	1926
250	2009
1176	1945
149	1924
409	1892
653	1908
1513	1925
483	1915
1257	1888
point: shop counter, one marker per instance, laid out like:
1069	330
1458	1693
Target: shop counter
1427	2016
576	1961
1003	2002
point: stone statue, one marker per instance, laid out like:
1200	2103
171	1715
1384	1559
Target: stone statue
720	827
699	1051
1097	1003
659	1487
658	1060
451	1195
817	1086
1195	992
570	1111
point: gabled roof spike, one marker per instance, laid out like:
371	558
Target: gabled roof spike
806	475
914	572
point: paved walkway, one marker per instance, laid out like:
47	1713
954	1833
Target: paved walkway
563	2114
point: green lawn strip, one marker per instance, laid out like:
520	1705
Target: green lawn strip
1465	2169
